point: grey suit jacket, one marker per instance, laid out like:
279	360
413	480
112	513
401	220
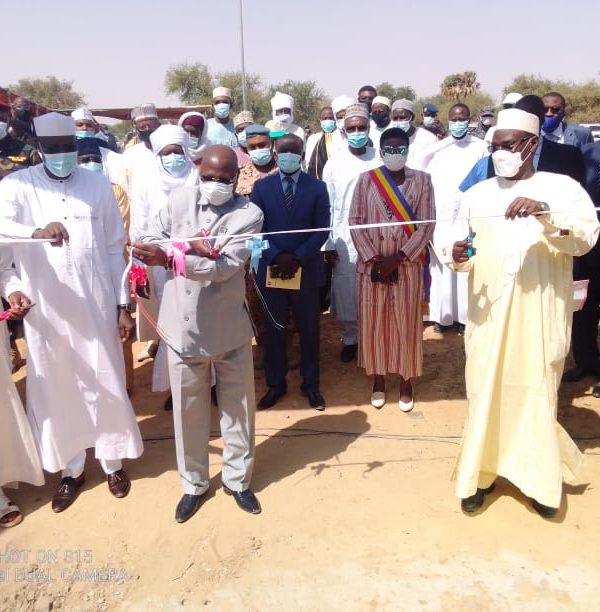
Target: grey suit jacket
204	313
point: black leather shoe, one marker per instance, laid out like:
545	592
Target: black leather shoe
576	374
544	511
270	398
596	390
315	399
168	405
246	500
67	492
473	503
188	506
348	352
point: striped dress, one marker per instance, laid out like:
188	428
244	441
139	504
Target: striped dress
390	315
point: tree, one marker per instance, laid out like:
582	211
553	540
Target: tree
192	83
308	100
456	87
396	93
50	91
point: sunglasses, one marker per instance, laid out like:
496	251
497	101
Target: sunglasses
402	150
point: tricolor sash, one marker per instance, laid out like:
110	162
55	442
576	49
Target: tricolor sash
401	209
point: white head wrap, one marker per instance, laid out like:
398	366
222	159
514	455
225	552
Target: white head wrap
517	119
382	100
404	104
82	114
219	92
54	124
341	103
195	154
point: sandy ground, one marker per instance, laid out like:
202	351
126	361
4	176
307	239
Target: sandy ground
358	514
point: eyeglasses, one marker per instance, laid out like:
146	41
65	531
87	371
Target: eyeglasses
214	179
401	150
512	147
553	109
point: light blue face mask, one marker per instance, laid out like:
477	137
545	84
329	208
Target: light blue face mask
241	137
194	142
222	110
79	134
328	125
261	157
458	128
358	140
60	164
174	163
92	166
288	163
3	129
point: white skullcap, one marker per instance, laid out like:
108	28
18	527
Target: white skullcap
54	124
382	100
81	114
512	98
221	92
404	104
169	135
281	100
517	119
341	103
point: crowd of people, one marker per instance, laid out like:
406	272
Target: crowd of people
237	231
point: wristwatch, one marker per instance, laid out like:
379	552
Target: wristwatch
127	307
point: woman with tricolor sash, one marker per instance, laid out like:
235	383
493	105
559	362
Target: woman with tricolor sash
392	267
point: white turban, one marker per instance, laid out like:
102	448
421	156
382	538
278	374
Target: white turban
169	135
341	103
219	92
382	100
82	114
517	119
281	100
54	124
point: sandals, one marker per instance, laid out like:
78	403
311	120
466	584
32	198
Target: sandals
10	515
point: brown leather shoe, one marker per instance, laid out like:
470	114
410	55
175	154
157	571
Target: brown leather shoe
67	492
118	483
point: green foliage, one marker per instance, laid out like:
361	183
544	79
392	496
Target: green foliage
192	83
396	93
583	100
308	100
50	91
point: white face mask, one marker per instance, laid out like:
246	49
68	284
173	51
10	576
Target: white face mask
216	193
394	161
506	163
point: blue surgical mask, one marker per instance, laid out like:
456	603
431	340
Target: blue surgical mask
222	110
288	163
358	140
261	157
60	164
3	129
458	128
241	137
550	124
85	134
174	163
328	125
93	166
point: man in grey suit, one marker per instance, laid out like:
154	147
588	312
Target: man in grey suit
206	325
555	128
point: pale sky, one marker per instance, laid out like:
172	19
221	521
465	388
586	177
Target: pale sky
117	52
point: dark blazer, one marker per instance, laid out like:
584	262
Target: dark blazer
557	158
310	210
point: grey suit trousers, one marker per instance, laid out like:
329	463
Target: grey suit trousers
190	385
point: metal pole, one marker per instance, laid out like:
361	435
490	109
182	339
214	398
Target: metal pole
244	94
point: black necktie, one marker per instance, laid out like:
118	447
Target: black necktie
288	196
